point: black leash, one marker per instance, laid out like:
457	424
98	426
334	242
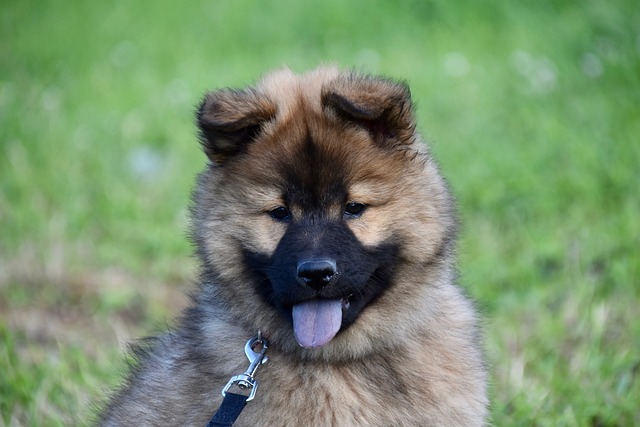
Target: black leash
229	410
233	403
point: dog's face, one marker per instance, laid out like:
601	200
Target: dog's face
321	214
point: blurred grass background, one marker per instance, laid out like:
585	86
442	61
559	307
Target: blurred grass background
532	108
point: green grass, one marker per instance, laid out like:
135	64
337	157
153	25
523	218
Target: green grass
533	110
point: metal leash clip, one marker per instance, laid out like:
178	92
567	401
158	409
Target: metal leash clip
246	381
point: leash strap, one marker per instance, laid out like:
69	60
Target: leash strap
229	410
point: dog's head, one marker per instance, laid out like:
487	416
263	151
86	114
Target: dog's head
321	215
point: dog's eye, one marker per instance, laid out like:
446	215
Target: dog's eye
354	210
280	213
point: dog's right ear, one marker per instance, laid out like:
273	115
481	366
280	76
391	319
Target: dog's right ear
230	119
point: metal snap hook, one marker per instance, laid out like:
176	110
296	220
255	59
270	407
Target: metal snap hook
246	381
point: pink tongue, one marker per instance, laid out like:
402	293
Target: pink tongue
316	322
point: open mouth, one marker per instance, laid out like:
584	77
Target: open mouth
317	321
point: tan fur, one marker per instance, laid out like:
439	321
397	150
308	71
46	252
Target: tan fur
413	355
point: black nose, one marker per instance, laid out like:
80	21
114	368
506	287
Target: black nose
317	273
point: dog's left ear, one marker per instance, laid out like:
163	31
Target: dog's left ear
383	107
